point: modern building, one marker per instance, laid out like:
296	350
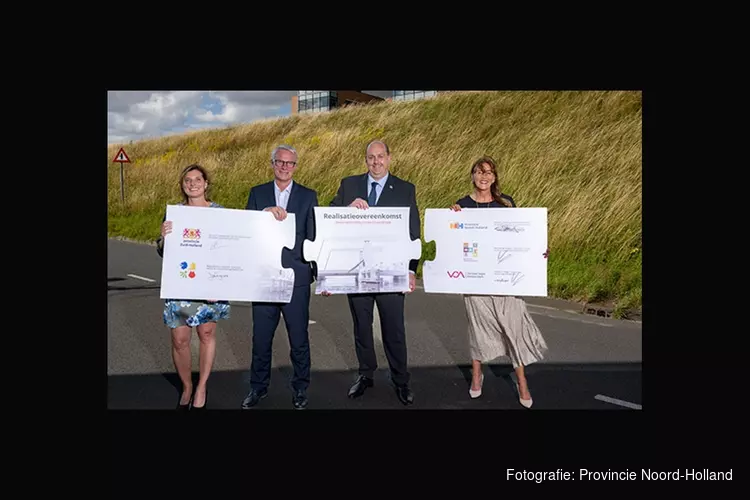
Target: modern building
412	95
313	101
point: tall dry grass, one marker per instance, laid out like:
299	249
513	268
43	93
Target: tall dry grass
576	153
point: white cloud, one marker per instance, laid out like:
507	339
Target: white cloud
145	114
140	115
243	107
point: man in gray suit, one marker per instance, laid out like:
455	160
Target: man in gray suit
379	188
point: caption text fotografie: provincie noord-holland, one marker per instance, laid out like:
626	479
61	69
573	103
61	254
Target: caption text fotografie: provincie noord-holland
626	475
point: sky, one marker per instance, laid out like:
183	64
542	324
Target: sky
136	115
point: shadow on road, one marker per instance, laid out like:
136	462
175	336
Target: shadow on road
553	386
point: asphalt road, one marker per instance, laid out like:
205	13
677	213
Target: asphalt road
592	362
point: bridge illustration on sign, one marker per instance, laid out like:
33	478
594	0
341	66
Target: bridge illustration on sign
278	284
359	267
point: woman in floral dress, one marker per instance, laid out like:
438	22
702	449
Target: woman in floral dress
182	315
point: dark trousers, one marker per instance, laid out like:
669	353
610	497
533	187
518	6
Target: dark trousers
391	310
265	320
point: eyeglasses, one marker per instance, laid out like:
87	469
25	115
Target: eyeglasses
281	163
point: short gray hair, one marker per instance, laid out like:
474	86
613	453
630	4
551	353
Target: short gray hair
284	147
387	149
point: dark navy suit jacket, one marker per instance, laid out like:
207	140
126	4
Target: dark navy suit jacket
301	202
396	193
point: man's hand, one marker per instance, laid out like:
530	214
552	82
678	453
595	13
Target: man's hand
359	203
277	212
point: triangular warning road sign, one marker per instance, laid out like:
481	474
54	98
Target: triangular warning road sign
121	157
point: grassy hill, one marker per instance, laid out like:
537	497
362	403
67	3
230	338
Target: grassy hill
576	153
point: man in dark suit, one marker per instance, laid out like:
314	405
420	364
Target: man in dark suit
379	188
282	196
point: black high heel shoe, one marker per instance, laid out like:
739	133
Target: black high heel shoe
186	406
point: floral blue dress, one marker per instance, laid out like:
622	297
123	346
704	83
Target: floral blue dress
181	312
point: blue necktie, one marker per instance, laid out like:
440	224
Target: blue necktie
372	199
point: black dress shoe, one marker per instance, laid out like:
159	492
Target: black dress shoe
253	397
404	394
360	386
299	400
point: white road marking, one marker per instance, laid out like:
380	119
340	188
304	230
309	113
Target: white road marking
542	307
310	322
619	402
141	278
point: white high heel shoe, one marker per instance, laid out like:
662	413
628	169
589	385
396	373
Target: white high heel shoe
476	394
526	403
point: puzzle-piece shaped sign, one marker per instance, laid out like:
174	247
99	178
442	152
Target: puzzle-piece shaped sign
487	251
226	254
362	250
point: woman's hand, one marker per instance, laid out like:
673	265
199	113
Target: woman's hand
456	208
546	254
166	228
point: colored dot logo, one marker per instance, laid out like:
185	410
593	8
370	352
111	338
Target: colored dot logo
187	271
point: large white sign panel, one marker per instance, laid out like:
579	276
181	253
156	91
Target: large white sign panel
487	251
362	250
226	254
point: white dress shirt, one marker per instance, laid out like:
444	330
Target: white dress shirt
379	186
282	197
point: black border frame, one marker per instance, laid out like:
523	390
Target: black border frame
682	425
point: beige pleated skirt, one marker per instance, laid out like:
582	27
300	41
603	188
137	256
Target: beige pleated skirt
502	326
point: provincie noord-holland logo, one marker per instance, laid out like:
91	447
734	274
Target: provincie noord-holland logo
191	237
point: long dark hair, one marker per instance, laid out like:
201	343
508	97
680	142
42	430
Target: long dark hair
494	188
203	172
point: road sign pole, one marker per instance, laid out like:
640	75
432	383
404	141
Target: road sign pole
122	157
122	184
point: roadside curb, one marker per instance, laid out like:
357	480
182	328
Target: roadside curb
605	312
129	240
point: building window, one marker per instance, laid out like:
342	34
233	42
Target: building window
313	101
411	95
